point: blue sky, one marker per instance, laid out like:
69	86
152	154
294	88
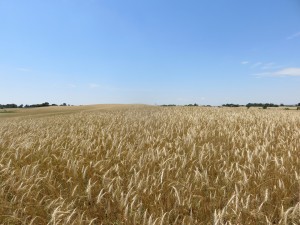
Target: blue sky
153	52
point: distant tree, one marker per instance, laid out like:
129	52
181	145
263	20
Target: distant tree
192	104
261	105
265	107
281	104
12	106
21	106
231	105
45	104
64	104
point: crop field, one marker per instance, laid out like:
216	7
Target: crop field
135	164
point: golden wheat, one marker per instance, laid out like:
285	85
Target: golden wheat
150	165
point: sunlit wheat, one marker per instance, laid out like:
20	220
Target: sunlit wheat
151	165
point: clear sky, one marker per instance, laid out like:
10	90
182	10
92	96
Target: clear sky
149	51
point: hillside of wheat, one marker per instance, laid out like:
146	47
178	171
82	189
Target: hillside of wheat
150	165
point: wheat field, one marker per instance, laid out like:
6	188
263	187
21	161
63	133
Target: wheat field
134	164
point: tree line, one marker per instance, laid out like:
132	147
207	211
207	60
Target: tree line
45	104
263	105
193	105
